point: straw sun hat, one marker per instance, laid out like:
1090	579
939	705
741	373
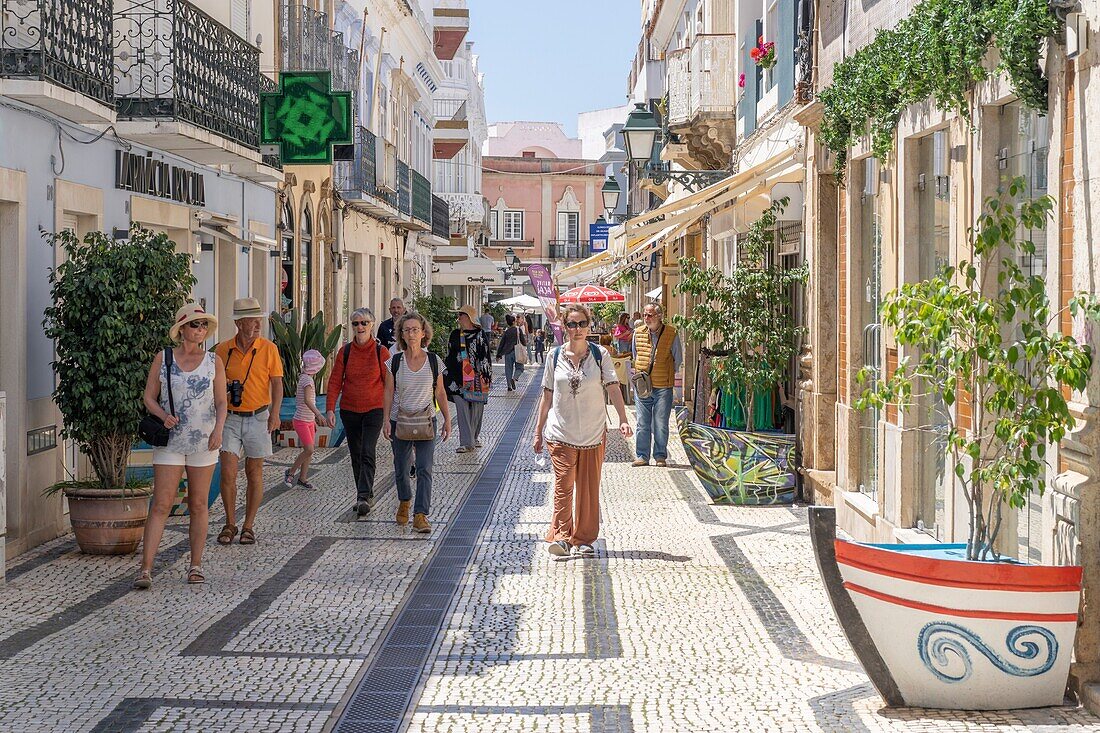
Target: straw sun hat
188	313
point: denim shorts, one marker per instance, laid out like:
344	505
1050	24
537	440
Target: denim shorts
247	437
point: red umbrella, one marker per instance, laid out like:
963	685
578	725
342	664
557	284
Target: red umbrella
591	294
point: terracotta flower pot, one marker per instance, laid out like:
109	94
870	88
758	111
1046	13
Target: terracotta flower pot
108	521
935	630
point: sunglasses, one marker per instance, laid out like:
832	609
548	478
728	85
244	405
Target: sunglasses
576	324
198	324
360	323
649	315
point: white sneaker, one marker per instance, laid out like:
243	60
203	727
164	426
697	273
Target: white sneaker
559	548
584	551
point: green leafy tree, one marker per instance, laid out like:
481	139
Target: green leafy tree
983	333
295	340
440	312
746	316
498	312
607	313
113	303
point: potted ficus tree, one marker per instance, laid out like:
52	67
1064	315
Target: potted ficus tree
743	457
113	301
293	337
960	625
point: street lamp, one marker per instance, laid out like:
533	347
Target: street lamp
610	192
510	258
639	132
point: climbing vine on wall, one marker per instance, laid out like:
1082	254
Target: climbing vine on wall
934	53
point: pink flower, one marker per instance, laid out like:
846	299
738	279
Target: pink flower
741	81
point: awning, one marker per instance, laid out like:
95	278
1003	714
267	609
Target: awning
220	232
258	240
472	271
693	206
759	180
584	266
654	294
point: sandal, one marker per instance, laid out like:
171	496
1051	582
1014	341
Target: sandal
248	537
225	537
195	575
144	580
305	484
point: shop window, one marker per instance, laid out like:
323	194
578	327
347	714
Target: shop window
305	270
287	297
1023	150
933	250
867	310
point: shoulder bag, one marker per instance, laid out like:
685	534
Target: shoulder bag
643	381
151	428
419	424
475	387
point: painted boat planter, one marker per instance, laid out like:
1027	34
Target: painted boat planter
739	467
935	630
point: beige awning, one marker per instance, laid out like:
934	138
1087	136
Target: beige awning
472	271
600	259
644	239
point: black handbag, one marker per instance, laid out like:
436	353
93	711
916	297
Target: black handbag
152	429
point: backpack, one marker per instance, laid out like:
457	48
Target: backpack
592	349
347	353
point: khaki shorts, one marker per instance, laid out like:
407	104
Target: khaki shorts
247	437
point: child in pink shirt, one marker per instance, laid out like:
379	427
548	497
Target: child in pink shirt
306	418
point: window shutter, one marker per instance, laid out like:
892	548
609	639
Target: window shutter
238	18
748	93
784	50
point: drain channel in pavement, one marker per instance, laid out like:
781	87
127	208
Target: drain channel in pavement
384	691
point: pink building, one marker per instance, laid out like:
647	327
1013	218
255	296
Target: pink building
542	194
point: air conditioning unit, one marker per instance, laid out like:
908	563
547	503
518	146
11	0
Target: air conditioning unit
386	155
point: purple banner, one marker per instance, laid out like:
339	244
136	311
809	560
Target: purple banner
548	296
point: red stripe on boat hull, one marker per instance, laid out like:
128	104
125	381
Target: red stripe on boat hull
959	573
943	610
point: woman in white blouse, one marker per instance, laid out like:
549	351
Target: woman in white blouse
572	423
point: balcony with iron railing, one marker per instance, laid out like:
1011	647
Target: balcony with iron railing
54	51
310	45
401	196
452	129
441	218
421	190
701	79
178	69
568	249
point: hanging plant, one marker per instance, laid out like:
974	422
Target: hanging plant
763	54
936	52
741	82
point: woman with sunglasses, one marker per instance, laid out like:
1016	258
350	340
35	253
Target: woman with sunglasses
572	422
358	382
195	417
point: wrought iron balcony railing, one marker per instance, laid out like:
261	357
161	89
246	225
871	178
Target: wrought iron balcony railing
267	85
421	197
449	109
65	42
441	218
404	188
309	45
568	249
174	61
358	177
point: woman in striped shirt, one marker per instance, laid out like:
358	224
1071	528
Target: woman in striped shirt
414	386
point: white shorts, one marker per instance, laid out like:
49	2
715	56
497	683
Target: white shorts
202	459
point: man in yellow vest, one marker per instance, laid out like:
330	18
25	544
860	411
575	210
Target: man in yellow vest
658	351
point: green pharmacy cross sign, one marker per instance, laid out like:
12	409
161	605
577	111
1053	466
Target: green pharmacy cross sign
305	118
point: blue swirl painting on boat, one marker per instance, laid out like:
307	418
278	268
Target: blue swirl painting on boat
943	647
739	467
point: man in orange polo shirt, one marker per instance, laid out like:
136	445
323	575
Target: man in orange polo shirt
254	378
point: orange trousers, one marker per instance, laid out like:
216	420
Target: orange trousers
576	517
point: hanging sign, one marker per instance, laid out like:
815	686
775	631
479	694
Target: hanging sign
305	118
548	296
598	234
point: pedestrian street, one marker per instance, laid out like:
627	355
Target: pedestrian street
691	617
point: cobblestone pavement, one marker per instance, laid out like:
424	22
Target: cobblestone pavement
690	618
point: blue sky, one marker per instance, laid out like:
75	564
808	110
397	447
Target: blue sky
547	60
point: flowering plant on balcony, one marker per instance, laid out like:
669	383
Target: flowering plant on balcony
764	53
